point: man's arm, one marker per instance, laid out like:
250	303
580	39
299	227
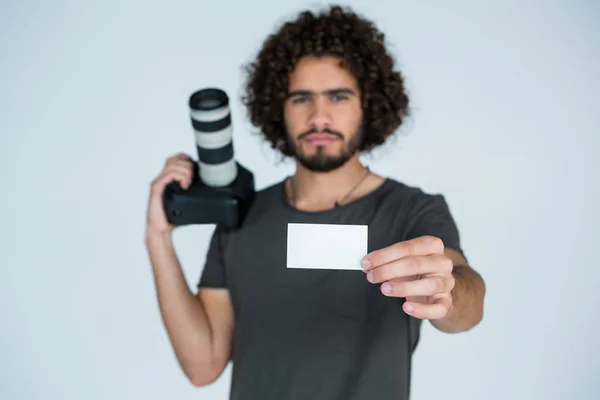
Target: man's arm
467	295
200	327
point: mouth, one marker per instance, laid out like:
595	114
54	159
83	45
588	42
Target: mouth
320	138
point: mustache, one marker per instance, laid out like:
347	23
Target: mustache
326	130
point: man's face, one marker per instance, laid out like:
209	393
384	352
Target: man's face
323	114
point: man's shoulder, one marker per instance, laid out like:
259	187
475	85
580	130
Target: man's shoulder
401	187
269	196
411	200
271	190
399	190
267	199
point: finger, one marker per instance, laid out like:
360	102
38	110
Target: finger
178	157
169	176
411	266
186	164
429	286
183	177
181	166
420	246
435	310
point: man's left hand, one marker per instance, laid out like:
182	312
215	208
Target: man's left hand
416	269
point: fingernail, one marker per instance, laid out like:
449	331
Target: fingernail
365	264
409	308
386	288
370	276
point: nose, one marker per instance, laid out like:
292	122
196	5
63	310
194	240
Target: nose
320	116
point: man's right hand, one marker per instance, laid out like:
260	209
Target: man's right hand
178	167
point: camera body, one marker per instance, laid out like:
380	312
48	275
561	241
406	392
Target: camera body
202	204
222	190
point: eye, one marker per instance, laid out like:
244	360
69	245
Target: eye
339	97
299	100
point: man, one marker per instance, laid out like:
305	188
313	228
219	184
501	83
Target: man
322	90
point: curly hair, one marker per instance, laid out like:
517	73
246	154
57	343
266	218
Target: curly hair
335	32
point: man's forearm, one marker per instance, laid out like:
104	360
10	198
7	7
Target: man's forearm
467	302
182	313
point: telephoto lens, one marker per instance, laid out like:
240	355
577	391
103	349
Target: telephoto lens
211	119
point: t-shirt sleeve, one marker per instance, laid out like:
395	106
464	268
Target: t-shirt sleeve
214	273
431	216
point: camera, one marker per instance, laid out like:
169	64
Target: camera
222	190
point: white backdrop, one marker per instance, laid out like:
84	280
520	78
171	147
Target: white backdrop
93	99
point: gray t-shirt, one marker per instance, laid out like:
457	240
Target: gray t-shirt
320	334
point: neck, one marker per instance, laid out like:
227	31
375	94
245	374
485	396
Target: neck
317	190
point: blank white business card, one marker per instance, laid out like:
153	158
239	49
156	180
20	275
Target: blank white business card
326	246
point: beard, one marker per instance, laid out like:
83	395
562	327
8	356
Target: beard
322	162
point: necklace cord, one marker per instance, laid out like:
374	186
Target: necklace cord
291	197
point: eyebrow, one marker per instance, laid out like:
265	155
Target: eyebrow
334	91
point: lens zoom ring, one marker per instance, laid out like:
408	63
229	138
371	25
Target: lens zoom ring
216	156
